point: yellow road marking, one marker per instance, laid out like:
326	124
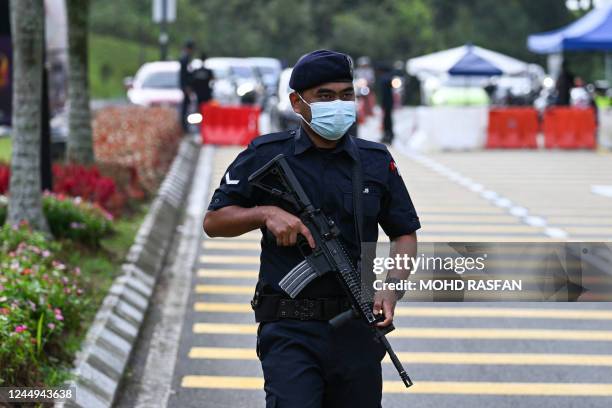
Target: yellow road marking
497	250
227	273
445	312
222	307
230	259
223	353
441	333
450	218
252	235
426	387
532	295
479	228
596	230
209	244
577	219
224	328
503	334
235	353
219	382
468	208
494	237
525	263
224	289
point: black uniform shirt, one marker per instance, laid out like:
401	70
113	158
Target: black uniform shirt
201	82
184	74
325	175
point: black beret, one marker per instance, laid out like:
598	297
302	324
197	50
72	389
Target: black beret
319	67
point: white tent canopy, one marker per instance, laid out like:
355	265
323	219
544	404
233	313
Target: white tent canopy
443	62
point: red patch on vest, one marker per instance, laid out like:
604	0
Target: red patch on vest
393	167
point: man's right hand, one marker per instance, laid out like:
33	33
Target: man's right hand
285	227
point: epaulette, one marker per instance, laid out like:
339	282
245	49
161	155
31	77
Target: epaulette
272	137
366	144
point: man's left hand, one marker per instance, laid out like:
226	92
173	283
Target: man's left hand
385	300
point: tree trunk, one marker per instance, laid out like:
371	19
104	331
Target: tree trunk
79	148
27	25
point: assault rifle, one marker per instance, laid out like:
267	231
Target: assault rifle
277	179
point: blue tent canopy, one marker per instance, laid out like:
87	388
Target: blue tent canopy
474	65
592	32
467	60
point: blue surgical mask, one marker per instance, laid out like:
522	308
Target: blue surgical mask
331	120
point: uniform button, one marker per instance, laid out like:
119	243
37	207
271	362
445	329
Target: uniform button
217	200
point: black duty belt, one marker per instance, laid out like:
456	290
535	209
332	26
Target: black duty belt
275	307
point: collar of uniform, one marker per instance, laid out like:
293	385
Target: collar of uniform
303	143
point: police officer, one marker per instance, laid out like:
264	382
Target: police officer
201	81
386	102
307	363
185	81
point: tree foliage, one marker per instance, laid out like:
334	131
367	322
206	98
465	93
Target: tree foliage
383	29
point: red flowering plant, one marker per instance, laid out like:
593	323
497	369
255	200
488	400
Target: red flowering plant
88	183
4	178
142	141
41	303
76	180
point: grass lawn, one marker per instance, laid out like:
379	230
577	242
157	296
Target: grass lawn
99	268
112	59
5	149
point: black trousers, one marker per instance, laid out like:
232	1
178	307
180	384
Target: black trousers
185	111
388	123
309	364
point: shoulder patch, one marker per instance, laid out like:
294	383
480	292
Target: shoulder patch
366	144
272	137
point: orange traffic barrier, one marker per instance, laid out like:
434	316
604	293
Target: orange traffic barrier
229	125
512	128
569	128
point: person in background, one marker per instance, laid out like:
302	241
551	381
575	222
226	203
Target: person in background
201	81
386	101
185	81
565	82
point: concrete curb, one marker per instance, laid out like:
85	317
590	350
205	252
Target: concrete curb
102	360
155	386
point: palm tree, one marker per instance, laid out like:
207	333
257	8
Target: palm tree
27	25
79	148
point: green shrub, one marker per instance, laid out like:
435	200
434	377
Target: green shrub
71	218
41	301
3	208
76	219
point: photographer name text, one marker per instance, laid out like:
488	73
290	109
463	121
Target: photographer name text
483	285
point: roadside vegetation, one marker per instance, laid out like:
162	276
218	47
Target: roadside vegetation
52	285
